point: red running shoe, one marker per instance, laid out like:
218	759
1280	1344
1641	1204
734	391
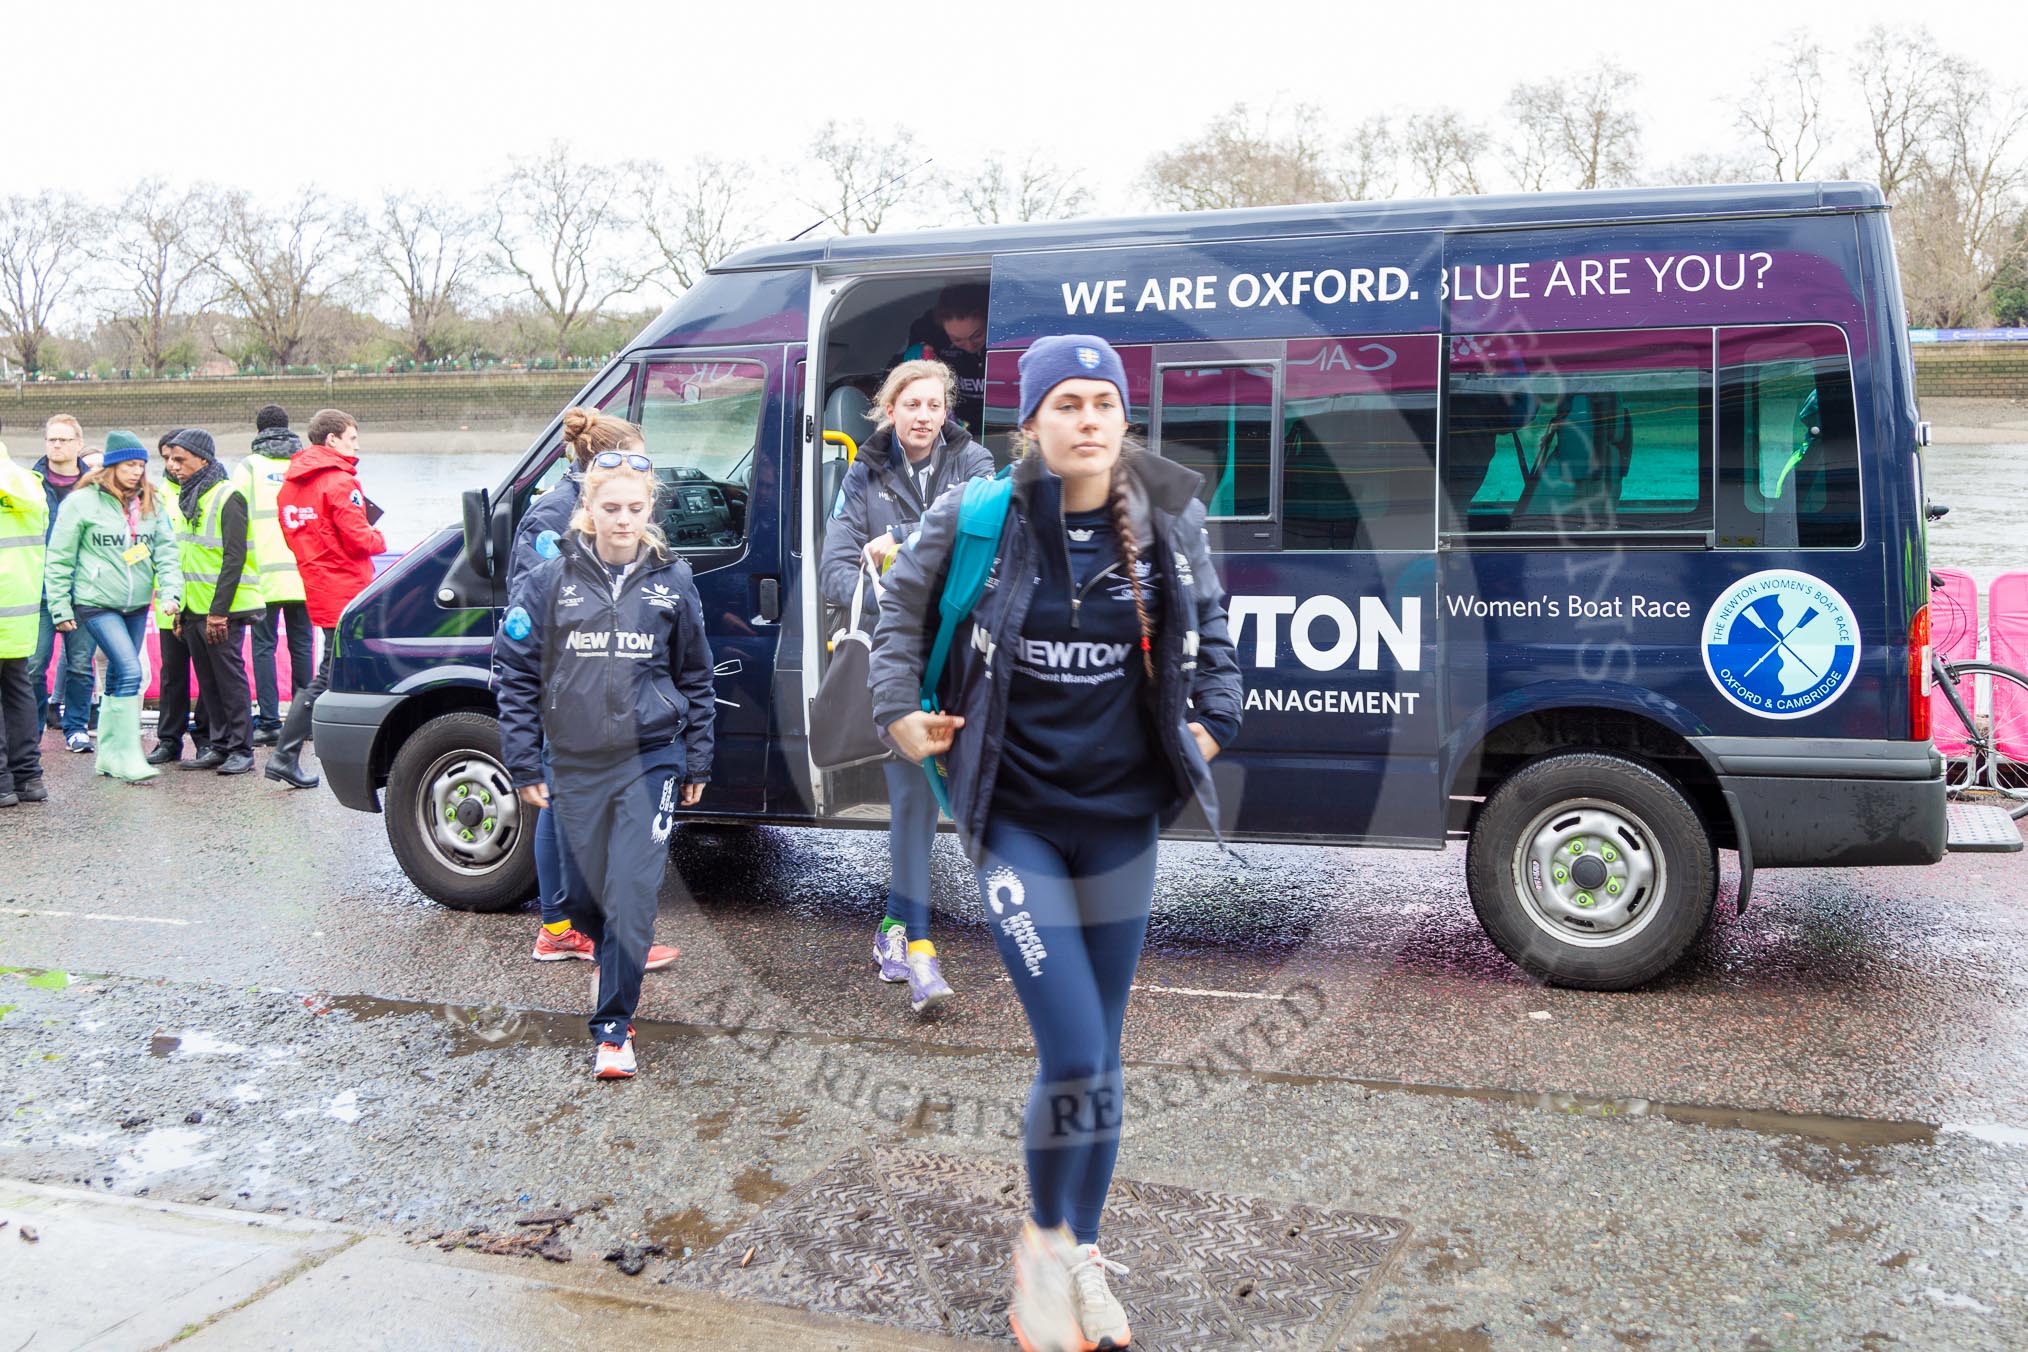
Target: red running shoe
661	955
572	943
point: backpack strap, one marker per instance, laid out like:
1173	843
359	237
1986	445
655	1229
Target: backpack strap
982	516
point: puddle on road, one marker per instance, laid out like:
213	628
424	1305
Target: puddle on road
757	1186
1853	1137
686	1232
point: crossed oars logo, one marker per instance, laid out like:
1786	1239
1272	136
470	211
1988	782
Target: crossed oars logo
1781	640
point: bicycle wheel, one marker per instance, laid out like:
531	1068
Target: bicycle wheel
1999	768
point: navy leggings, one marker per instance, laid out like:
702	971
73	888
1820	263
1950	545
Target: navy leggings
911	832
549	856
1068	902
615	822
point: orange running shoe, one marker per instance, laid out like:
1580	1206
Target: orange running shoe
572	943
661	955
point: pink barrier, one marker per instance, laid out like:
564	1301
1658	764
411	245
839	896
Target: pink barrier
153	688
1954	633
2007	621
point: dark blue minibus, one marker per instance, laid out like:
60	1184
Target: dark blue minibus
1588	528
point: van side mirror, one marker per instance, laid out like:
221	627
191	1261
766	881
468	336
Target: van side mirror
478	520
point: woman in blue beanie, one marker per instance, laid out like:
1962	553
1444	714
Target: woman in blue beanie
1097	683
112	554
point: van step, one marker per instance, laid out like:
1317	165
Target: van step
1981	828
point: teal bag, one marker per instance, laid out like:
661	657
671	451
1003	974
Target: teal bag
982	515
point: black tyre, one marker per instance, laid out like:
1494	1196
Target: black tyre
457	829
1591	870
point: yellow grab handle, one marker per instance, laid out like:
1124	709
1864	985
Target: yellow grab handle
840	439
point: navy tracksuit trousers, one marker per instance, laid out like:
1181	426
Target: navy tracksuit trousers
1068	901
911	834
615	824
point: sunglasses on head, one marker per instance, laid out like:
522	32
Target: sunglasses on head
631	459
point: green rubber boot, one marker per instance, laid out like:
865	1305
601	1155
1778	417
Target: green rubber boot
119	751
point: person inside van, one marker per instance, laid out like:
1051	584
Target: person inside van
604	683
915	453
1088	719
586	433
954	333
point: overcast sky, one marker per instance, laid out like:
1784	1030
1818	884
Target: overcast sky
361	95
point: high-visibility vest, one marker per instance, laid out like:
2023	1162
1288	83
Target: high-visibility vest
200	548
260	478
24	522
183	530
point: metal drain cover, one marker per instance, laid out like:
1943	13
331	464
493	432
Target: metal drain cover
921	1241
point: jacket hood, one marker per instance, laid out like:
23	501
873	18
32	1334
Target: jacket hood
277	443
317	459
574	546
878	452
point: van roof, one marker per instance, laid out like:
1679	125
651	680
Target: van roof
1491	211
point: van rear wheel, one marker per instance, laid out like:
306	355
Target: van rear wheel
1591	870
457	828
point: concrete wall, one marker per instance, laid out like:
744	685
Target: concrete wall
1971	370
438	399
457	398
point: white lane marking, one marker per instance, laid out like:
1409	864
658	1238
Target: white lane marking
101	915
1188	990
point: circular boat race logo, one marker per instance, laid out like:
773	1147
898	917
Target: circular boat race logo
1781	644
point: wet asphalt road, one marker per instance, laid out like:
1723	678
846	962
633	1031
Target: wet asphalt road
1812	1134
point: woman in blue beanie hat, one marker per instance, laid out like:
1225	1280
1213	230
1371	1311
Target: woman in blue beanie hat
1097	683
112	554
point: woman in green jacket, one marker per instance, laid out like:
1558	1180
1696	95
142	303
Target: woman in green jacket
111	552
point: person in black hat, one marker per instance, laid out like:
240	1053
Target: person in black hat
221	595
259	477
174	706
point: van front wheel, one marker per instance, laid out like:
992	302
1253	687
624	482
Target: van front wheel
457	828
1590	870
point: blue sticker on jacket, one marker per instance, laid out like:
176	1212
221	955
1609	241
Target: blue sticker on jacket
546	546
517	625
838	507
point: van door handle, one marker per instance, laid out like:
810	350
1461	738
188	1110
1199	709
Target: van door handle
770	600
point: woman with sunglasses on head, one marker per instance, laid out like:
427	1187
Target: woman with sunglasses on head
1096	684
915	454
604	683
586	433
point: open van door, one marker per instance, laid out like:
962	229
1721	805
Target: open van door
1300	378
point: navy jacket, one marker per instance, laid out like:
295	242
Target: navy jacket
551	511
1196	672
603	676
879	497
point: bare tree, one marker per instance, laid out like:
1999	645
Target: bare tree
566	235
1964	216
1368	171
158	254
1241	160
697	219
1005	192
1577	132
868	174
45	243
429	248
1782	111
1706	168
1905	80
1444	150
276	270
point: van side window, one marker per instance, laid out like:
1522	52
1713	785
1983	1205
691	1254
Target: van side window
614	396
701	420
1788	465
1359	422
1220	420
1579	433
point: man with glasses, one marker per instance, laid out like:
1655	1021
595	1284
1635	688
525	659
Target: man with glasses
327	523
59	469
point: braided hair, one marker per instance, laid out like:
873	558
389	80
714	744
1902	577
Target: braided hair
1130	552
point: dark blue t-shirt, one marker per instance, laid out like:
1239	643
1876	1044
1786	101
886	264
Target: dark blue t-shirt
1079	732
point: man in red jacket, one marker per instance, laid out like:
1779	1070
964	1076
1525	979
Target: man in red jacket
328	524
